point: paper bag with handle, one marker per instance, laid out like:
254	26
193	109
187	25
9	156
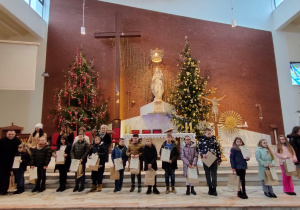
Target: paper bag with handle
211	158
233	182
269	181
114	174
150	177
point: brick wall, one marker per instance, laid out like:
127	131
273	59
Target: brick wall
239	61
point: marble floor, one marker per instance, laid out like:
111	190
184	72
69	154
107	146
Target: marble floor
107	199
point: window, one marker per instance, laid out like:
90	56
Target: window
36	5
277	2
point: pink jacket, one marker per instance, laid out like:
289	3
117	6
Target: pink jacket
285	155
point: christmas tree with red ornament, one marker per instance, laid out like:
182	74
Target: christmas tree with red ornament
77	101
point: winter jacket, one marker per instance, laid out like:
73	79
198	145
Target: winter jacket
107	142
174	156
263	158
41	156
80	150
134	149
25	157
237	160
119	153
100	150
285	155
8	149
67	159
150	157
206	144
295	142
189	155
33	140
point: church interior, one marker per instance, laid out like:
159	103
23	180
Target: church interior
143	67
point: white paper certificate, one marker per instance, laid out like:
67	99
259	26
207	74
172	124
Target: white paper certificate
273	173
16	162
118	164
60	156
134	163
245	151
74	165
33	173
165	155
93	160
290	165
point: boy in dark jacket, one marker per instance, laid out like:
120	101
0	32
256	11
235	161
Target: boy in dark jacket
80	151
119	151
40	157
63	168
100	149
208	143
19	172
170	166
150	157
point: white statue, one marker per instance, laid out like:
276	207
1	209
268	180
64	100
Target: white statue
215	109
157	85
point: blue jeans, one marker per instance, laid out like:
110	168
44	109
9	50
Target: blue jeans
119	182
19	175
211	174
170	173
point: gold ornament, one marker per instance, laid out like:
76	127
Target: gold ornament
229	121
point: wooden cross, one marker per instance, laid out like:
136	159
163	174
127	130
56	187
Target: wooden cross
118	34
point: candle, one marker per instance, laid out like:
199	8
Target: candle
186	127
126	129
130	128
191	127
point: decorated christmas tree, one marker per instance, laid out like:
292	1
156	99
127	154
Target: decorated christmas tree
192	110
77	101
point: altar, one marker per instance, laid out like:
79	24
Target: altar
159	138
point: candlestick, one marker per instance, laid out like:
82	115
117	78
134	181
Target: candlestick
126	129
186	127
130	128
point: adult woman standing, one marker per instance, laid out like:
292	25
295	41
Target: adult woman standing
67	132
105	138
294	139
34	137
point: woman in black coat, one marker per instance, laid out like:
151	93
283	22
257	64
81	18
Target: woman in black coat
294	139
63	168
105	138
150	157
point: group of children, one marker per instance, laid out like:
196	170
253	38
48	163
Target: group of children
147	154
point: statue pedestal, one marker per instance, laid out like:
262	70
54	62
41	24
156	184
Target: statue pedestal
156	107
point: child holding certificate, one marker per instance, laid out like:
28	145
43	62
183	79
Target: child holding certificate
150	157
98	148
40	158
23	160
65	148
265	159
285	151
79	151
189	157
119	151
208	143
134	151
170	166
239	164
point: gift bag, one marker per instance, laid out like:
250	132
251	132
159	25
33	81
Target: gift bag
12	184
210	159
33	174
273	173
134	166
165	155
150	177
114	174
95	167
79	171
233	182
289	167
298	171
269	181
192	175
